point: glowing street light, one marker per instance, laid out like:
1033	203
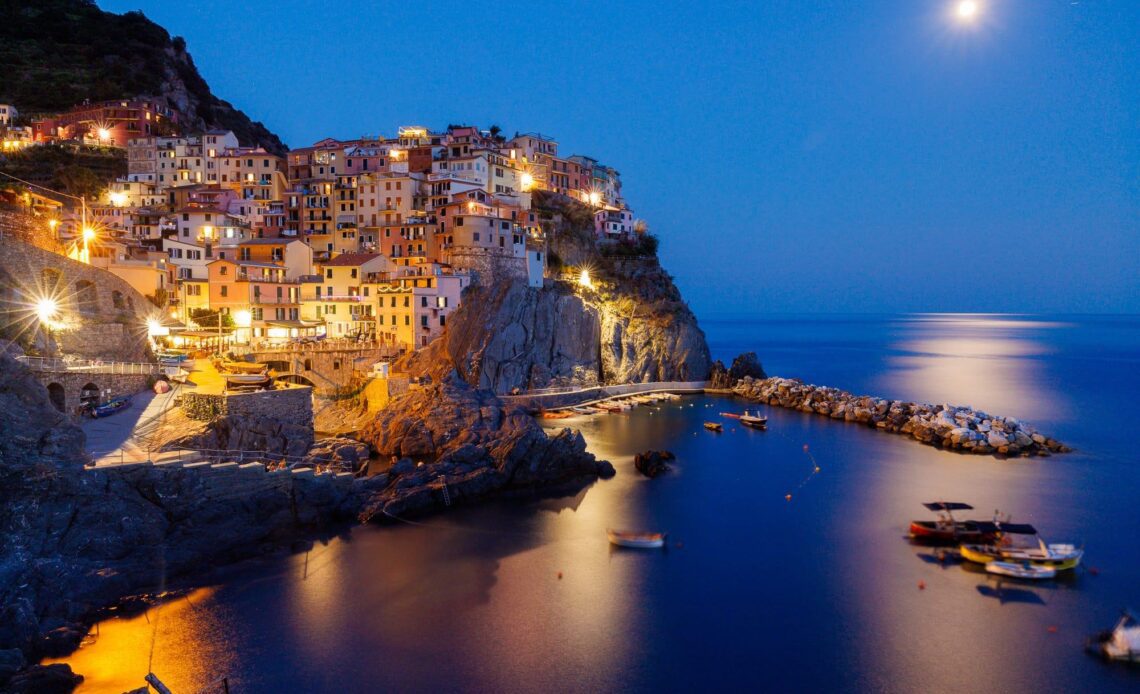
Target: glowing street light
88	234
595	198
104	134
118	198
243	319
527	181
584	278
46	310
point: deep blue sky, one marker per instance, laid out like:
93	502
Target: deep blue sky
793	155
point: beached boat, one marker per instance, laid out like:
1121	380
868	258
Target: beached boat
1023	570
1121	643
244	367
714	426
582	410
947	530
1020	544
246	380
627	538
753	421
111	407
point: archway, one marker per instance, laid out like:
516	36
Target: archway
86	297
299	380
58	396
89	394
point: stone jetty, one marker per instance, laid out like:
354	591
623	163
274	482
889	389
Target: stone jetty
944	426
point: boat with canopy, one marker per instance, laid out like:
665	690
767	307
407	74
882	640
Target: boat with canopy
1019	543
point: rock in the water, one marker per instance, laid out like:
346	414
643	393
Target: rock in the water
652	463
45	679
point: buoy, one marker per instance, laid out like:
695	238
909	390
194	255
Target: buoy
788	497
805	448
1094	571
559	575
1052	629
680	545
922	585
816	469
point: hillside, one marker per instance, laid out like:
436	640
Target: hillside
56	53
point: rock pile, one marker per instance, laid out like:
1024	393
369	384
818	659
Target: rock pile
338	453
944	426
653	463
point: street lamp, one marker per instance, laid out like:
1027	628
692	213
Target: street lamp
88	237
47	309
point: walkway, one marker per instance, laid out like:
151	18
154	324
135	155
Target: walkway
559	398
122	437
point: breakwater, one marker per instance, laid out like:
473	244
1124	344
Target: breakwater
947	426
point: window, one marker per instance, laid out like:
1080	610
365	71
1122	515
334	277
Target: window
223	270
353	273
423	321
225	290
407	320
423	301
328	273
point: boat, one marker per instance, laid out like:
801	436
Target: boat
244	367
1121	643
628	538
557	415
730	415
753	421
582	410
1023	570
714	426
1020	543
111	407
947	530
234	381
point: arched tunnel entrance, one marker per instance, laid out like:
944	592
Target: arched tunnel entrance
58	396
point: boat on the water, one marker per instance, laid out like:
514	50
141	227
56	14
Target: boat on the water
1019	543
629	538
730	415
714	426
1023	570
947	530
753	421
111	407
1121	643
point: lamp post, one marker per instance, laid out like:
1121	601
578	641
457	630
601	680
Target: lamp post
46	311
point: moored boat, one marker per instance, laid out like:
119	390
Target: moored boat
753	421
1121	643
1024	570
1020	544
111	407
730	415
947	530
714	426
244	367
629	538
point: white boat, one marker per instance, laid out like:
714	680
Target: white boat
1121	643
753	421
626	538
1030	572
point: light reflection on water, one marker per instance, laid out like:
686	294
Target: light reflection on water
817	593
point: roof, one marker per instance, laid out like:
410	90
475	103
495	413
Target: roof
266	242
352	259
1007	528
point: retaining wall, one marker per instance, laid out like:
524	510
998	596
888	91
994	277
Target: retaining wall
292	405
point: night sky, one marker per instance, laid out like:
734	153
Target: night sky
793	155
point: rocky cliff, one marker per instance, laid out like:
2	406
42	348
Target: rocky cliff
629	324
449	434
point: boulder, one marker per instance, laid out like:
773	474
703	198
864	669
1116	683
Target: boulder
652	463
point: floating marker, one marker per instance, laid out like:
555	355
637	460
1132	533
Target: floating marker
788	497
922	585
559	575
1052	629
805	448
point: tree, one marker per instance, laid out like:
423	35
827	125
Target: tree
206	318
495	130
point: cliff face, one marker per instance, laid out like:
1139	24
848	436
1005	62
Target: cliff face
56	53
630	324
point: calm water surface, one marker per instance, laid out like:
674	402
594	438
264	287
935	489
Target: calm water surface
758	592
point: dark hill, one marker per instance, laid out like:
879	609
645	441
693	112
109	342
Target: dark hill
56	53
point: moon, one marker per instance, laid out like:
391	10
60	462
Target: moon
967	10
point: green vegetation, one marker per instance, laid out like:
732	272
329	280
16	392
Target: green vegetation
72	169
56	53
205	318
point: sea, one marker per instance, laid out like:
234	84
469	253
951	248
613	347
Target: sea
787	566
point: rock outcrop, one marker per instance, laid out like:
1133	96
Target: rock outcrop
653	463
455	443
945	426
746	364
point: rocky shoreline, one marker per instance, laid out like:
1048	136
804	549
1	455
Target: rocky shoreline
951	427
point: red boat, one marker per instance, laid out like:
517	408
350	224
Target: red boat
946	530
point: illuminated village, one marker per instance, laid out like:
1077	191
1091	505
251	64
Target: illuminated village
371	239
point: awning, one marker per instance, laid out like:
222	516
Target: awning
1007	528
947	506
292	324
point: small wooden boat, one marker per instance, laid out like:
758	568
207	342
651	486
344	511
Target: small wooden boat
582	410
244	367
1023	570
730	415
714	426
557	415
1015	543
753	421
111	407
627	538
947	530
1121	643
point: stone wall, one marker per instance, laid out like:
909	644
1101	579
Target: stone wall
292	405
329	371
64	388
487	266
100	315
